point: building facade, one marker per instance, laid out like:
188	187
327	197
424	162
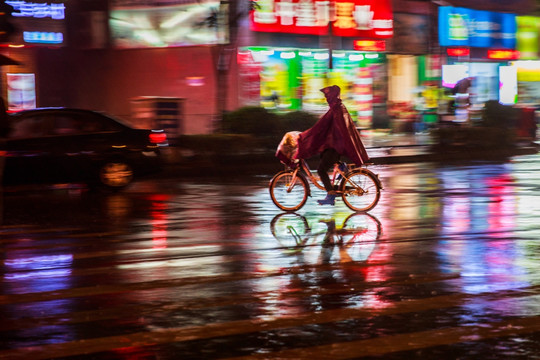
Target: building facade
129	57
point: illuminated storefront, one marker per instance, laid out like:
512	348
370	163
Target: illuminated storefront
527	69
349	53
479	45
526	74
287	79
414	91
409	46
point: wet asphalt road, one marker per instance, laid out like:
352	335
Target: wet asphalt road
445	267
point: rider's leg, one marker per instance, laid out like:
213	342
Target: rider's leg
328	158
330	232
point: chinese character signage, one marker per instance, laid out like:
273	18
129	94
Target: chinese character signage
359	18
39	22
476	28
293	16
363	18
37	10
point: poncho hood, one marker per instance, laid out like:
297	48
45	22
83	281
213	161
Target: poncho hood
335	129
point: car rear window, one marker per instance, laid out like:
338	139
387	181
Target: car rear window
62	123
30	126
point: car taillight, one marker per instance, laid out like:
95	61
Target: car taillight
158	137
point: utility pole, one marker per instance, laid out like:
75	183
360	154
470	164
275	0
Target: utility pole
224	53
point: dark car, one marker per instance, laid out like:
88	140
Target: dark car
62	145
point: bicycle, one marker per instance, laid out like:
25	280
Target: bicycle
357	235
359	187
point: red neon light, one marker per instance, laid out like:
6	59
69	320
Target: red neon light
370	45
458	52
157	137
503	54
370	19
360	18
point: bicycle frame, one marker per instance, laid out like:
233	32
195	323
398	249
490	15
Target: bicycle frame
315	180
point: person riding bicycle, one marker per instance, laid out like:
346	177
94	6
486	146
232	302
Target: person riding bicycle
333	135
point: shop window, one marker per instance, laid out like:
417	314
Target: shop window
21	92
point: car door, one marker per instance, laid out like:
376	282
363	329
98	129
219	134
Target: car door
85	140
89	140
69	158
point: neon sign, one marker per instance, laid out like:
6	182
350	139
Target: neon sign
307	17
43	37
458	52
361	18
39	22
369	45
503	54
476	28
37	10
167	26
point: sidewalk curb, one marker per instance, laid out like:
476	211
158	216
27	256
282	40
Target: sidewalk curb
267	163
487	155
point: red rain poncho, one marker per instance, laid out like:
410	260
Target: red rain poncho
336	130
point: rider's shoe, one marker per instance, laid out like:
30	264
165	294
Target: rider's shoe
328	200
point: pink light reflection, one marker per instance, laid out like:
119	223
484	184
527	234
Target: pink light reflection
159	220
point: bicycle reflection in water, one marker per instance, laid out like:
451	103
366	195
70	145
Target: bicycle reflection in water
355	239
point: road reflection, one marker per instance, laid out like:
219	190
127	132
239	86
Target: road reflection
447	247
353	239
480	223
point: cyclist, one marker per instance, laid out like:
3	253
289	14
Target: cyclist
333	135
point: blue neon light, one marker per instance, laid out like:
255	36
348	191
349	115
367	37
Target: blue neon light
476	28
43	37
37	10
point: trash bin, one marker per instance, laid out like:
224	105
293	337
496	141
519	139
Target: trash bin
154	112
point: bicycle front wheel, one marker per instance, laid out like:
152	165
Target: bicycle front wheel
361	228
361	191
288	193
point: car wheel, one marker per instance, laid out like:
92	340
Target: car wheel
115	174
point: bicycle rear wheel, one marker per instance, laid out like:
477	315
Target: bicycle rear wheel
287	193
290	230
361	191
